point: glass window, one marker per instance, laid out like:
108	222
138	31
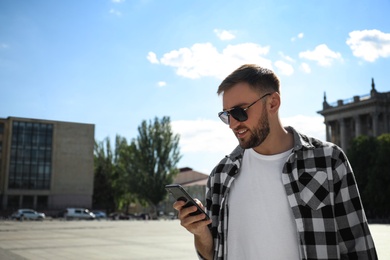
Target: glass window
42	202
13	201
28	202
30	155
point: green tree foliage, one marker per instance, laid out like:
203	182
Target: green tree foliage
103	191
378	187
124	195
136	171
362	157
156	154
370	159
111	191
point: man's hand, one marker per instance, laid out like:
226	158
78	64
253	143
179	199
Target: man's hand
198	226
195	224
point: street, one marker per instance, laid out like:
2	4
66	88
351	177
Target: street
165	239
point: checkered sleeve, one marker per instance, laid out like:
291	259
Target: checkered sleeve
218	184
354	235
208	205
213	197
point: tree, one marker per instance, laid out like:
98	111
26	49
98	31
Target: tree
126	174
362	156
111	191
103	192
152	163
369	157
378	187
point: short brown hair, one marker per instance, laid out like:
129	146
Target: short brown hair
260	79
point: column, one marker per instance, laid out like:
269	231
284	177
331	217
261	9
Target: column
35	201
375	126
343	141
327	131
358	126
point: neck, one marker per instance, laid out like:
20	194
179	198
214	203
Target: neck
278	141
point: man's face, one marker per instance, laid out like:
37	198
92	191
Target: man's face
252	132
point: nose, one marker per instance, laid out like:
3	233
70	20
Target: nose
233	123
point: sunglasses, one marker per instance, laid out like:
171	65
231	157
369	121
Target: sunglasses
237	113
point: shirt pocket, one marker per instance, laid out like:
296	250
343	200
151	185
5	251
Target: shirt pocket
314	189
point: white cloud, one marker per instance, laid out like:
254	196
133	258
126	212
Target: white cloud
117	1
205	136
285	57
309	125
284	68
369	44
305	67
161	83
322	55
203	142
115	12
203	59
299	36
152	57
224	35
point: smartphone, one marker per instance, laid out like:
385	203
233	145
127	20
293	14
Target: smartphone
179	193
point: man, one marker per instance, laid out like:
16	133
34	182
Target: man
279	194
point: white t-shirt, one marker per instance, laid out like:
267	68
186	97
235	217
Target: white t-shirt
261	224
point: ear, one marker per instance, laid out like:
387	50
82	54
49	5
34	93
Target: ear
273	103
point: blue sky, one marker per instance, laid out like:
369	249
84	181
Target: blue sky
116	63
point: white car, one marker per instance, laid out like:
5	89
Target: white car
28	214
78	213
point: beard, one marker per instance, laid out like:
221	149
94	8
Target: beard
258	134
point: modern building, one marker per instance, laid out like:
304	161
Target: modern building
361	115
45	165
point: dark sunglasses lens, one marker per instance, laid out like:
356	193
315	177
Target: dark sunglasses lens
239	114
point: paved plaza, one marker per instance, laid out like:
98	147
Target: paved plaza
114	240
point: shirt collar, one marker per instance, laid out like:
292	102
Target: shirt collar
300	142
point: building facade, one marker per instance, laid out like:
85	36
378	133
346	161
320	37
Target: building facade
45	165
362	115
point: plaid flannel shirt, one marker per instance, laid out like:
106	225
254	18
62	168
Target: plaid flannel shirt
323	196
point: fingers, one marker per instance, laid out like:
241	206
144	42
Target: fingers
187	221
178	205
195	224
185	212
199	203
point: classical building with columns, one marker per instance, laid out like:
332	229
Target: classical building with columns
361	115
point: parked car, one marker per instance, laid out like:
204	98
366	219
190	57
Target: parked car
119	216
78	213
21	214
99	214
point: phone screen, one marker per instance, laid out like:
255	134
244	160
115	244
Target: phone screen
179	193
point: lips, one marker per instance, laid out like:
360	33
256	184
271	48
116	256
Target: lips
240	133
